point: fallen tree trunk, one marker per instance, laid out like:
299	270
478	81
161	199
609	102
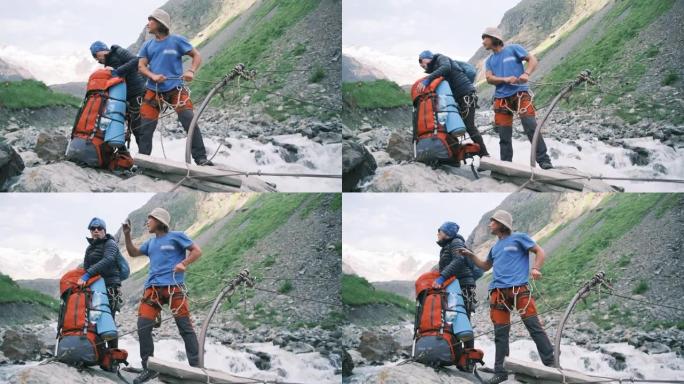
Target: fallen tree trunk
563	178
544	374
168	169
176	370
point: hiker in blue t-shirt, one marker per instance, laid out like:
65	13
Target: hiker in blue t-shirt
509	291
504	69
161	61
170	254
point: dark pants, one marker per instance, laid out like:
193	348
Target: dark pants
504	109
501	302
133	117
149	112
150	307
469	300
113	295
468	114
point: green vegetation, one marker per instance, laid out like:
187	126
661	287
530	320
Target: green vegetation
317	75
286	287
357	291
375	94
10	292
264	214
252	47
642	287
576	261
670	78
622	24
33	94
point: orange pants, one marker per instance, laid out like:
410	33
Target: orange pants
156	296
151	105
520	103
503	300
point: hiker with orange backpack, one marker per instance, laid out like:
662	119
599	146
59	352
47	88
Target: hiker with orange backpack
124	64
161	61
170	253
101	258
462	89
509	290
504	69
452	263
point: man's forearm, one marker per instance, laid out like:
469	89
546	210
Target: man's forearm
192	257
144	70
130	248
539	258
531	65
494	80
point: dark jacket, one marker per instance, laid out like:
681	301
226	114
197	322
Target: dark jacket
101	259
125	65
451	263
458	81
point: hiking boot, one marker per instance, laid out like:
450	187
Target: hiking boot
545	165
205	162
146	375
497	378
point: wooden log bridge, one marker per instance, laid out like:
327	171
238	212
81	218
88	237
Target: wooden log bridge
530	372
209	179
183	373
557	179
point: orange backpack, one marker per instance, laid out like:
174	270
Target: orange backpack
434	342
87	145
78	343
432	143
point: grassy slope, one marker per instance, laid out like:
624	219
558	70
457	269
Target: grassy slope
252	45
264	214
622	24
33	94
577	260
357	291
374	94
10	292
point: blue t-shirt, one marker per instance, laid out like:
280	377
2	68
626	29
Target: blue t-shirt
165	253
510	260
505	63
165	58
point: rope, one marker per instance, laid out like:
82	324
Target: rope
331	303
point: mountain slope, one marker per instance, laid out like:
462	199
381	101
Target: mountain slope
21	305
353	70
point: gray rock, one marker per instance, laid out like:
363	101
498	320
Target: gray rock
69	177
414	177
51	147
400	147
378	347
11	164
357	164
20	346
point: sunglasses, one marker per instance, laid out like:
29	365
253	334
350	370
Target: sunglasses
96	229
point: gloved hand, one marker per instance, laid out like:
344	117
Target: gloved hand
83	280
437	284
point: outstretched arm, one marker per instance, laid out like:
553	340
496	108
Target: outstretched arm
483	264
